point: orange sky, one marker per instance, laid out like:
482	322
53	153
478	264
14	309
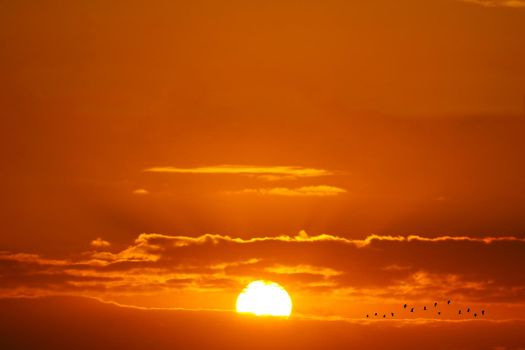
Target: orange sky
364	154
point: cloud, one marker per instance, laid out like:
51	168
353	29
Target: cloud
267	172
58	322
373	269
100	243
140	191
498	3
303	269
305	191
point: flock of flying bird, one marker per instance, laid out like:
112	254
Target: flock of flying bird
425	309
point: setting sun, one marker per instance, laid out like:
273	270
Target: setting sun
262	174
264	298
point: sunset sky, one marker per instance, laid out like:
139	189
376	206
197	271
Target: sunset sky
158	156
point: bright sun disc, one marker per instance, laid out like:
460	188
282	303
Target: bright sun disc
264	298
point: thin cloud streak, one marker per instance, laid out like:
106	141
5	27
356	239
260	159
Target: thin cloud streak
293	171
498	3
305	191
145	239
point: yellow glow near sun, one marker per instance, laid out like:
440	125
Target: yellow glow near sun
264	298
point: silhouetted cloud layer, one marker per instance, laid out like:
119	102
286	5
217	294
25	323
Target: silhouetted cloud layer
81	323
473	269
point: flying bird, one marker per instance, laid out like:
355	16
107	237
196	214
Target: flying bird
424	307
468	309
482	312
459	312
439	313
375	314
392	314
475	314
366	316
435	304
412	310
384	316
448	302
405	306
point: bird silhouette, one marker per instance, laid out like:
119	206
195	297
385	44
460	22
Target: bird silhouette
412	309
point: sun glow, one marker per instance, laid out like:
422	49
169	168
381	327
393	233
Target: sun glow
264	298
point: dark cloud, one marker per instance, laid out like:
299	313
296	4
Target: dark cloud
477	269
63	323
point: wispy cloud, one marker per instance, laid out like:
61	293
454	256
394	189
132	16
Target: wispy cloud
498	3
140	191
305	191
265	171
304	269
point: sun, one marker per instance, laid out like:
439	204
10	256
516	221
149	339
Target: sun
264	298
